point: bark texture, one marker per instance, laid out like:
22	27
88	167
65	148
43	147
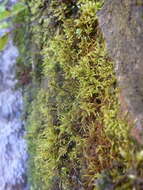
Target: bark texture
121	22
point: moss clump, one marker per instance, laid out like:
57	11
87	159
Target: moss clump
76	138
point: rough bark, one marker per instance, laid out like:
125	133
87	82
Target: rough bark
121	22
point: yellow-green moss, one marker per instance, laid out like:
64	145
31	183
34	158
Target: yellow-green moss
76	138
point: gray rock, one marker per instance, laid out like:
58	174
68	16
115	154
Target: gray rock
121	22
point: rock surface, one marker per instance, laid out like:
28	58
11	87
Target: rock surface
121	22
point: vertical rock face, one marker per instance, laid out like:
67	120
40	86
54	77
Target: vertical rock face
121	22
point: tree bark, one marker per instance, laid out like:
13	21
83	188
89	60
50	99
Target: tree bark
121	22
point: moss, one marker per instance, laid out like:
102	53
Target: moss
75	134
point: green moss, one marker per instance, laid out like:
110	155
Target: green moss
75	135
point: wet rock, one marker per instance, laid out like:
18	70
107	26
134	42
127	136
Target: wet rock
121	22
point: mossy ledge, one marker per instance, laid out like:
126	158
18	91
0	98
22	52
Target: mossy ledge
76	136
